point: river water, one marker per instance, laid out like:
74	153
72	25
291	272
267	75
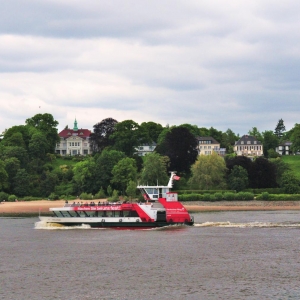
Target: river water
226	255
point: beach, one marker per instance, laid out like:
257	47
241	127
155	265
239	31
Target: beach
42	206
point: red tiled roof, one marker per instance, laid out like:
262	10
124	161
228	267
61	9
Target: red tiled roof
83	133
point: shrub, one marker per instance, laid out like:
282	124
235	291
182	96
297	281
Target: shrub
229	196
194	197
114	197
265	195
100	194
213	197
86	196
219	196
53	196
3	196
244	196
12	198
206	197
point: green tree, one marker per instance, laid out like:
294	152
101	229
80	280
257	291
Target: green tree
228	140
208	172
152	130
255	132
127	137
238	179
290	183
181	147
47	125
194	130
21	183
84	176
279	129
38	146
17	136
124	171
281	168
49	184
131	189
216	134
104	166
154	170
270	141
295	138
3	176
17	152
12	166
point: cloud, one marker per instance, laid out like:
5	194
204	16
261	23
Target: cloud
227	65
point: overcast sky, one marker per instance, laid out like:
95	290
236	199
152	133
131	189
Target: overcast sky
226	64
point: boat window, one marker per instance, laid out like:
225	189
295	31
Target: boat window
126	213
110	213
151	191
92	214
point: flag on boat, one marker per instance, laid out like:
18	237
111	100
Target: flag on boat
175	177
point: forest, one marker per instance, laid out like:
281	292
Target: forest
30	169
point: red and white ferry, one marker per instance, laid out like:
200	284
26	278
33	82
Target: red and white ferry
161	208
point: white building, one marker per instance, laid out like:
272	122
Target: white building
74	141
248	145
144	149
207	145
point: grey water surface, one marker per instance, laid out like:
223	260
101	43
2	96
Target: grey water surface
226	255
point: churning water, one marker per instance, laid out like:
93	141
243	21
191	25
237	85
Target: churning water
226	255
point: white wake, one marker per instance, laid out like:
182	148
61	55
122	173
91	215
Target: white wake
247	225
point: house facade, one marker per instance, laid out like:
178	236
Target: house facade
144	149
284	148
248	145
207	145
74	141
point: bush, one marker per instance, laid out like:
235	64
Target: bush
229	196
100	194
265	195
67	197
190	197
213	197
86	196
244	196
12	198
30	198
207	197
114	197
3	196
53	196
218	196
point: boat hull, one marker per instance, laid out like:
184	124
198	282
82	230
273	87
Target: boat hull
119	225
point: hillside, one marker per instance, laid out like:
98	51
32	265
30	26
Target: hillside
294	162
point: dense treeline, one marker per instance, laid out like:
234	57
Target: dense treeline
29	166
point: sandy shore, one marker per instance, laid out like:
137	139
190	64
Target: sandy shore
34	207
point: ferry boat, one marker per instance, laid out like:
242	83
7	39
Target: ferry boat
161	208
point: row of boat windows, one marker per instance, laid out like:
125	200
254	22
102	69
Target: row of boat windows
91	214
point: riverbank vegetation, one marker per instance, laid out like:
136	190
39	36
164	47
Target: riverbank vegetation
30	169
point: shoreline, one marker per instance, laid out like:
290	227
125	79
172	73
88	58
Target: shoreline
34	208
